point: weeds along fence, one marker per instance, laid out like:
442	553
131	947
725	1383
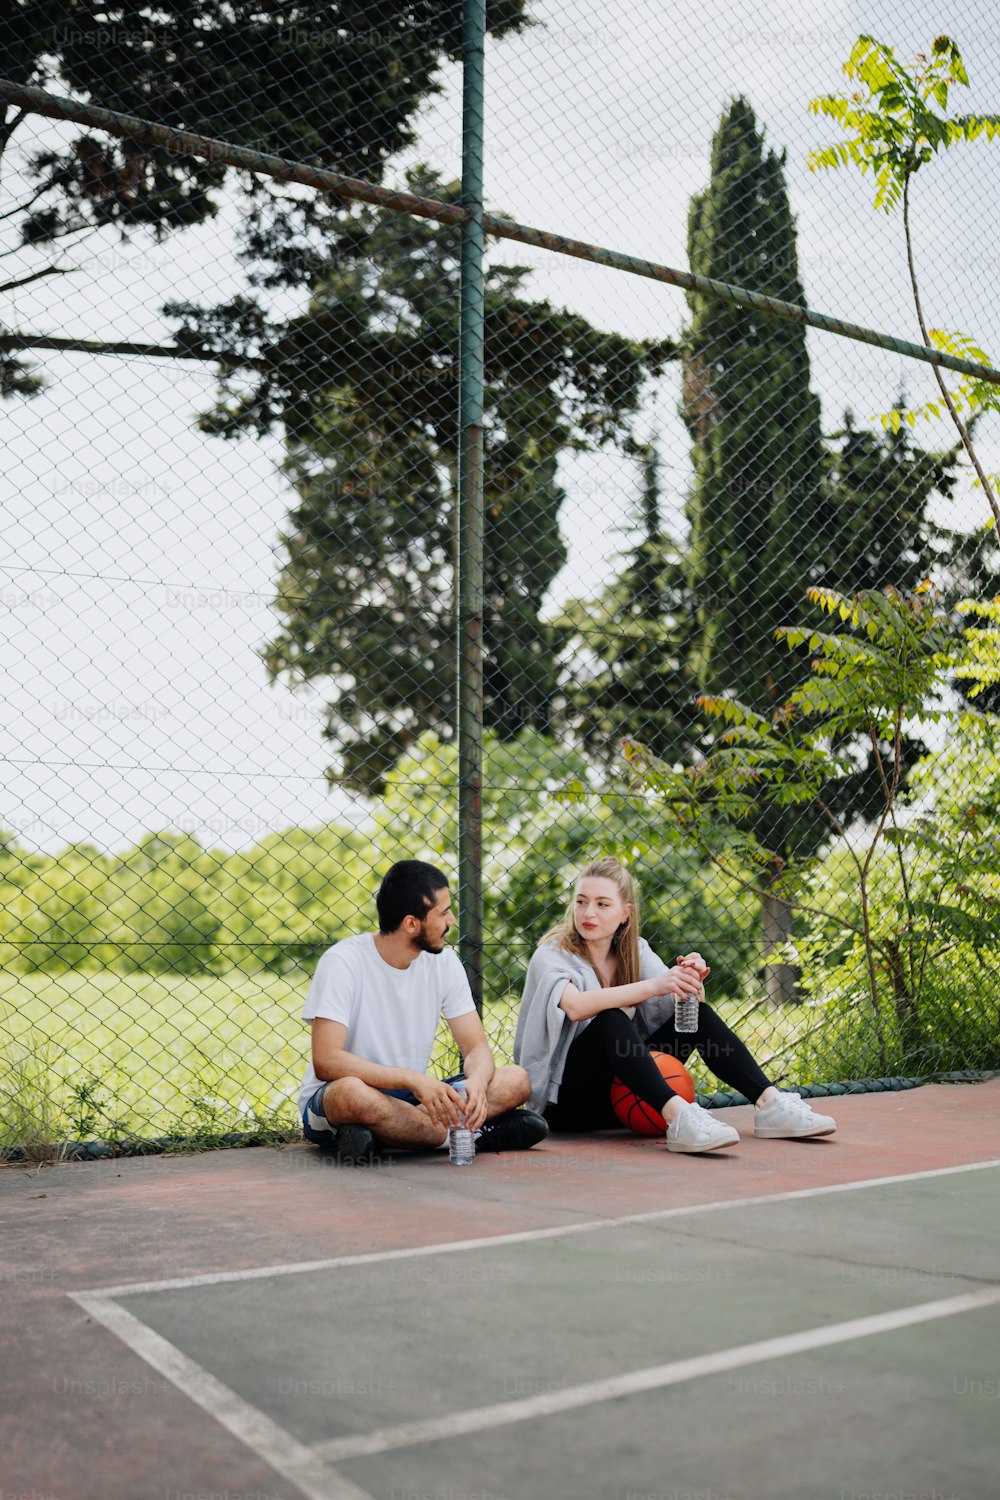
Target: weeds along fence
281	608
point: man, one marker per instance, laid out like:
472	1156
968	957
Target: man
374	1004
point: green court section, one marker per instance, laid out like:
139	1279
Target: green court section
913	1412
901	1417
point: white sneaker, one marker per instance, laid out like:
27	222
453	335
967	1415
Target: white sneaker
694	1129
789	1117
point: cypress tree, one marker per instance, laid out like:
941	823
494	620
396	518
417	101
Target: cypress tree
755	508
754	422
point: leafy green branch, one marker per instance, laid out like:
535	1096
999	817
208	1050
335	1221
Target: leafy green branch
881	665
980	664
896	122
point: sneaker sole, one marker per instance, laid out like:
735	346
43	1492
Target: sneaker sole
699	1150
776	1134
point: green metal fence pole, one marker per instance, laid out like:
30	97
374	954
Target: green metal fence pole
470	510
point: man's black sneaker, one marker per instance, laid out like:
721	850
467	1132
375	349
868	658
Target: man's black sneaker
356	1146
514	1131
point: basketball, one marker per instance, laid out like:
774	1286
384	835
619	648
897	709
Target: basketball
640	1117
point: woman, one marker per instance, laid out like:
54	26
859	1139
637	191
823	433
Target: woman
597	999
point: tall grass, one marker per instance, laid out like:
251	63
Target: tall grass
29	1120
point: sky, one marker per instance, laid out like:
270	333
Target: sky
138	556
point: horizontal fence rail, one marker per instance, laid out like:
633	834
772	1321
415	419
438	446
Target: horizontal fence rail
324	181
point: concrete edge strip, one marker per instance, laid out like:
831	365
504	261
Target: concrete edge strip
519	1237
549	1403
294	1461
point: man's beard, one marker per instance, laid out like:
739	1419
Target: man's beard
423	942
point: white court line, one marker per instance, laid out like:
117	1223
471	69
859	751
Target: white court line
457	1424
523	1236
294	1461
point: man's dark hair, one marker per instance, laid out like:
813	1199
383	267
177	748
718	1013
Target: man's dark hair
409	889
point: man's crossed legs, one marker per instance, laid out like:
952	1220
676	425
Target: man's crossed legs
355	1117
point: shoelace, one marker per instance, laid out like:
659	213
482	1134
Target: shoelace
798	1104
702	1119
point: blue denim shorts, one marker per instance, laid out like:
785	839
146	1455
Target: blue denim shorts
317	1128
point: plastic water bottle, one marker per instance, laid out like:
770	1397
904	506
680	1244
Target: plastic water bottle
461	1142
686	1013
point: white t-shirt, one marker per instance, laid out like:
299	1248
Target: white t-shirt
391	1014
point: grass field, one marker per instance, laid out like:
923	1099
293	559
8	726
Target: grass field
106	1056
153	1054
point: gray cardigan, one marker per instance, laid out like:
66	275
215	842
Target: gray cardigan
544	1030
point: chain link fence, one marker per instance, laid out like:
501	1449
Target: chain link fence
231	436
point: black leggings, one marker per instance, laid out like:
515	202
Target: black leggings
611	1047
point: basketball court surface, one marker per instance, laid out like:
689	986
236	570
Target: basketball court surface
816	1320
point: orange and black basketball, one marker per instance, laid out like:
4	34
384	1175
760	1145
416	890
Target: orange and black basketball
640	1117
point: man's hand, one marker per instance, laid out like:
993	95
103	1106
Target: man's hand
475	1114
443	1104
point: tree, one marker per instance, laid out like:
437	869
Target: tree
337	84
365	382
288	898
52	908
365	386
625	650
756	503
754	422
879	524
874	509
164	919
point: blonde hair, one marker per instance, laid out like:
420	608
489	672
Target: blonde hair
625	943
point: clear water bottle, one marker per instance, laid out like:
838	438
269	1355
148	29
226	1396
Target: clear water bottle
686	1013
461	1142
